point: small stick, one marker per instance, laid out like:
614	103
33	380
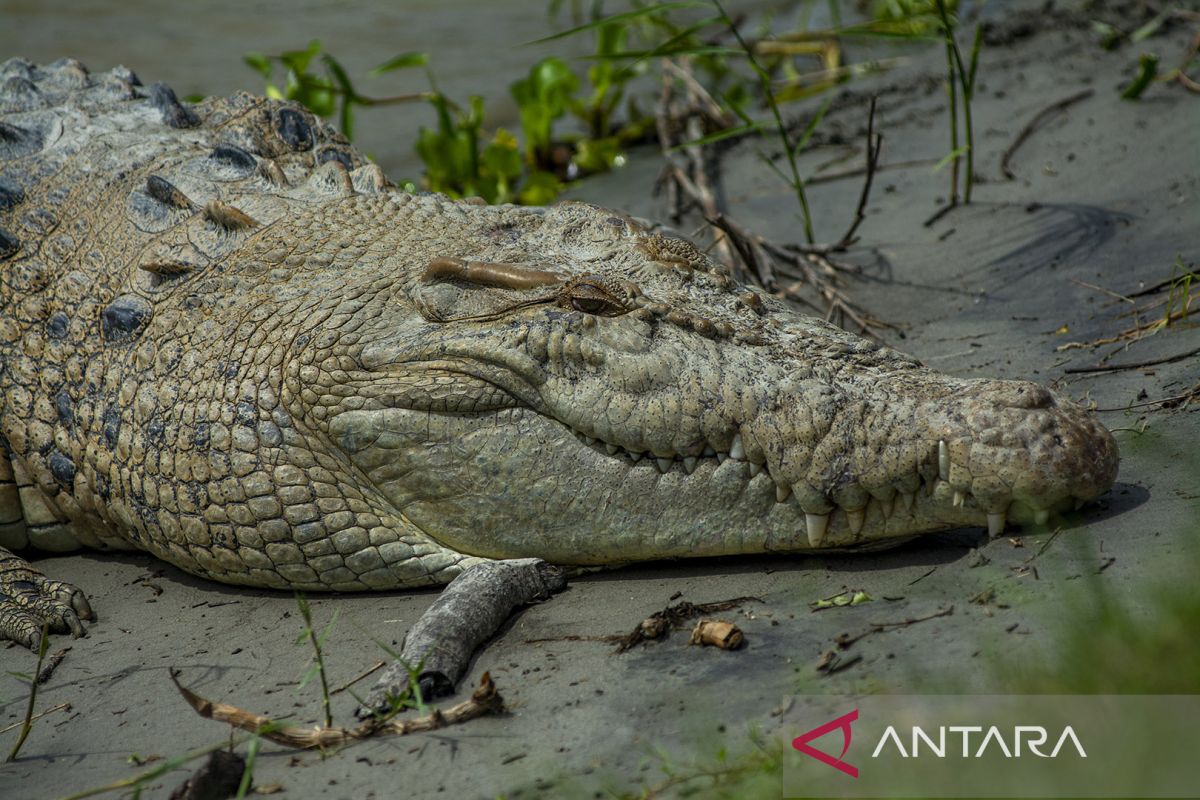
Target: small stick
37	716
1135	365
1035	123
1108	292
51	664
845	640
873	145
485	700
352	681
1193	393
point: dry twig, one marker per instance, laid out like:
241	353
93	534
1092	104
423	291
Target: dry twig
692	177
485	700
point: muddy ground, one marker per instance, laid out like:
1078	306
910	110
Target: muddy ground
1106	195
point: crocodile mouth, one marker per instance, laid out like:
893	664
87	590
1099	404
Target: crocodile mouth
479	465
563	495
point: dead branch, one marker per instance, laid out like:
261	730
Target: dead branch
874	141
485	700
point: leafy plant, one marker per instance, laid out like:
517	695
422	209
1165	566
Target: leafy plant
543	98
324	93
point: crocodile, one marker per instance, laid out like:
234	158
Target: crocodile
227	340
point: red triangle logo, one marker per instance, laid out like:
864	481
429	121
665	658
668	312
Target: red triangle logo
801	743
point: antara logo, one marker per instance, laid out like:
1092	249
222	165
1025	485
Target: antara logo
1034	737
801	743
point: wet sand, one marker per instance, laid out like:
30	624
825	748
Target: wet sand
1106	193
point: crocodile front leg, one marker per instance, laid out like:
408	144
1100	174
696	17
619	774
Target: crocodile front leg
29	600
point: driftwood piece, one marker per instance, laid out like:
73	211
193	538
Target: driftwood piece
467	612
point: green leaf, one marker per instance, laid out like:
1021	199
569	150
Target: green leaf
812	125
259	63
502	156
1149	28
298	60
598	155
402	61
541	188
318	98
1147	69
946	159
309	675
969	89
721	135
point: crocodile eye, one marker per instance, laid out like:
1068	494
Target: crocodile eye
593	305
591	297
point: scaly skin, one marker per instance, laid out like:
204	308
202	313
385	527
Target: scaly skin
227	342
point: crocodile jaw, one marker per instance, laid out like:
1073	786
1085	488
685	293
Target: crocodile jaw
704	449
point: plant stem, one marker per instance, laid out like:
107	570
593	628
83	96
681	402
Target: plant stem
789	148
952	87
27	725
968	96
302	603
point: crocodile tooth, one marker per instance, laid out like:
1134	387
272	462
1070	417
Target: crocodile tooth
817	525
1041	516
737	450
996	522
909	498
708	452
782	492
888	506
959	499
636	457
689	464
612	449
754	468
663	464
589	441
943	460
721	457
856	518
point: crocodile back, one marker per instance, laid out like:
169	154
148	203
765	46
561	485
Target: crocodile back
115	200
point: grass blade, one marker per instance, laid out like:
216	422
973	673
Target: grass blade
638	13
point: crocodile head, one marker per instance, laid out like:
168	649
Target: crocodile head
564	383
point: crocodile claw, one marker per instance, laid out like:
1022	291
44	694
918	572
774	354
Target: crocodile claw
30	601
